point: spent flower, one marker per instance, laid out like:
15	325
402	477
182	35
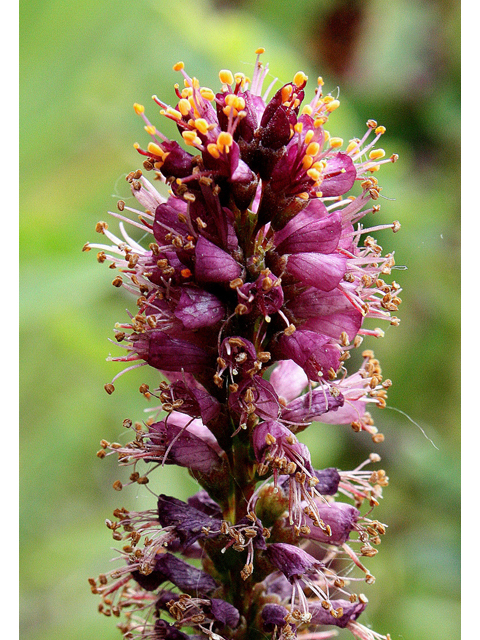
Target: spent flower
255	279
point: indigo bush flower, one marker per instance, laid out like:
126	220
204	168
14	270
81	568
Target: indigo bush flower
254	279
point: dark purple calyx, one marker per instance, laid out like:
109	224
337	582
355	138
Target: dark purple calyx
169	568
279	115
203	502
213	264
341	519
197	402
274	615
225	614
323	271
348	611
198	308
304	410
163	352
312	351
308	232
327	312
292	561
189	523
174	444
328	481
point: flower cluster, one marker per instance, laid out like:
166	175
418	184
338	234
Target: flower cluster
256	284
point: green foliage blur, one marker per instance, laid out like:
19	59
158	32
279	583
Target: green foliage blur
83	65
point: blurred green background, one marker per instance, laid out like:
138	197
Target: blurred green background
83	65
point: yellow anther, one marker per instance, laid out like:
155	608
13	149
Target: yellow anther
136	145
307	162
326	135
320	165
239	103
191	137
239	78
336	142
150	129
308	136
376	154
380	130
178	66
298	127
230	99
286	92
259	51
213	150
303	196
184	107
307	110
312	149
313	174
207	94
139	108
319	122
331	106
154	149
226	76
353	144
226	110
372	168
320	81
224	139
187	92
299	79
328	99
173	113
202	125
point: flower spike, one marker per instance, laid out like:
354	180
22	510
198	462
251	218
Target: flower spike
254	278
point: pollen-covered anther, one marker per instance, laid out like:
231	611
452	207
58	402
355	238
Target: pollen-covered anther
224	141
101	227
332	105
336	142
226	76
202	125
191	138
314	174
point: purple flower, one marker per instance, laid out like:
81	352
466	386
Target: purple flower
345	611
189	523
339	518
314	352
169	568
292	561
213	264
